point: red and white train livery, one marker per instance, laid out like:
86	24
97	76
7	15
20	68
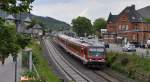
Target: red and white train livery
88	53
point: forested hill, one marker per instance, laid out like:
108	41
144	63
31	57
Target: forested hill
48	22
52	23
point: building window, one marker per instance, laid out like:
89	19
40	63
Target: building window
135	27
126	27
123	27
120	28
134	37
124	19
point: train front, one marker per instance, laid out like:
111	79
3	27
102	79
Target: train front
96	55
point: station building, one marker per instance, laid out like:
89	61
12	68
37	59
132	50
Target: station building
128	26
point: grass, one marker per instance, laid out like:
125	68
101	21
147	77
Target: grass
131	65
41	64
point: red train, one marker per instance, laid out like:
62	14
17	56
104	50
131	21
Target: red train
88	53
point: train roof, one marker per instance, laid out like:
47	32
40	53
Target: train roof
83	41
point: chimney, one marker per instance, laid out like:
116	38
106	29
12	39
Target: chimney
133	7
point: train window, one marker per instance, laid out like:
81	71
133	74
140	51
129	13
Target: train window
96	51
74	47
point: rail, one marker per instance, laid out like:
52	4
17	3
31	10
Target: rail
65	67
108	77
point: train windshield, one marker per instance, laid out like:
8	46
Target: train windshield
96	51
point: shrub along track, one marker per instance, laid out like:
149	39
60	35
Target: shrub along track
107	77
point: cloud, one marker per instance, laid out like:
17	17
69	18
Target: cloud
66	10
83	13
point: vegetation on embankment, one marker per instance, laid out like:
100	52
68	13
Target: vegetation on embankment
131	65
45	72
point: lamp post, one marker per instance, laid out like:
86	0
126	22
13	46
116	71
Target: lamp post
17	21
27	21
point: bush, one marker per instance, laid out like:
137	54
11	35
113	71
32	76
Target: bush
124	61
29	74
45	72
131	65
111	57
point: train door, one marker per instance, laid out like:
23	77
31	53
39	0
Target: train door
82	52
65	43
86	53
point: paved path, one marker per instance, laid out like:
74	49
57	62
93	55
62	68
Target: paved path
7	71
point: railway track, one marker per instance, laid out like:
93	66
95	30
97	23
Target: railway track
101	74
65	67
107	77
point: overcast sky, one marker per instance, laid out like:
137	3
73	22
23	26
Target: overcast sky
66	10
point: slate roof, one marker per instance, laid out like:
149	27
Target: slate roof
145	12
112	18
133	15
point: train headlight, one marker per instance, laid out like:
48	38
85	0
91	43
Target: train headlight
90	59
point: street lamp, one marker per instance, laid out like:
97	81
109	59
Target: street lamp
27	21
10	18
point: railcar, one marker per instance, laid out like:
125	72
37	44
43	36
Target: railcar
88	53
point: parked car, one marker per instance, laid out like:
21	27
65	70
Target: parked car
129	47
148	43
142	45
136	44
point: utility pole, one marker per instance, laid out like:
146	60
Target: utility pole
30	60
15	61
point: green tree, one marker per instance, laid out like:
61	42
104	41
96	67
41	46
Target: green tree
82	25
147	20
23	40
7	41
10	42
16	6
99	23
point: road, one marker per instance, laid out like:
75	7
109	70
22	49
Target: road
7	71
139	51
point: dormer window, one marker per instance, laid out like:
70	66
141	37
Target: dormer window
124	19
133	18
141	18
110	22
